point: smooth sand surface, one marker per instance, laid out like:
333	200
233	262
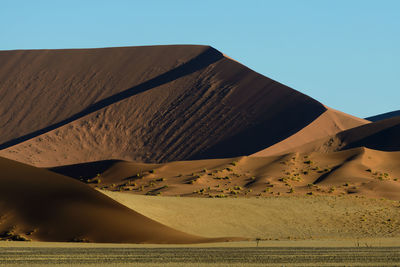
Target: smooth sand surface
327	124
41	205
381	135
284	218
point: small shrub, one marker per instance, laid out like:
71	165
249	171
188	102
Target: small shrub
151	171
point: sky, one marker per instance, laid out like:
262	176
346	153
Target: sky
344	53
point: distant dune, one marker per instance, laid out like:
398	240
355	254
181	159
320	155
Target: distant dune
147	104
329	123
358	171
384	116
381	135
41	205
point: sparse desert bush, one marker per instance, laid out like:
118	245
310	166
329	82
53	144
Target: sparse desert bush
233	163
151	171
95	180
160	179
308	162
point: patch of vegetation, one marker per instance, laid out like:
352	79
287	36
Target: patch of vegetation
10	235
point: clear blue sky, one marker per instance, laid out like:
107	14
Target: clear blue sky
344	53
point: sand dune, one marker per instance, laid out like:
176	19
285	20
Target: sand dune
384	116
359	171
181	121
381	135
329	123
146	104
41	205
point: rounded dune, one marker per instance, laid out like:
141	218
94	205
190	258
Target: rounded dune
41	205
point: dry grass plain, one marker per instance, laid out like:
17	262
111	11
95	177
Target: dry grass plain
42	254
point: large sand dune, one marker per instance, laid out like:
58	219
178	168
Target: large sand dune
41	205
148	104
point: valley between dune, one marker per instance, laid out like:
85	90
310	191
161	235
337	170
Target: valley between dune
272	218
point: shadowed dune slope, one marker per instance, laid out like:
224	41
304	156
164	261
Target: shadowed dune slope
149	104
381	135
42	205
384	116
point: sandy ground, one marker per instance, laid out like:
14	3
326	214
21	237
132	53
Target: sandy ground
282	218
